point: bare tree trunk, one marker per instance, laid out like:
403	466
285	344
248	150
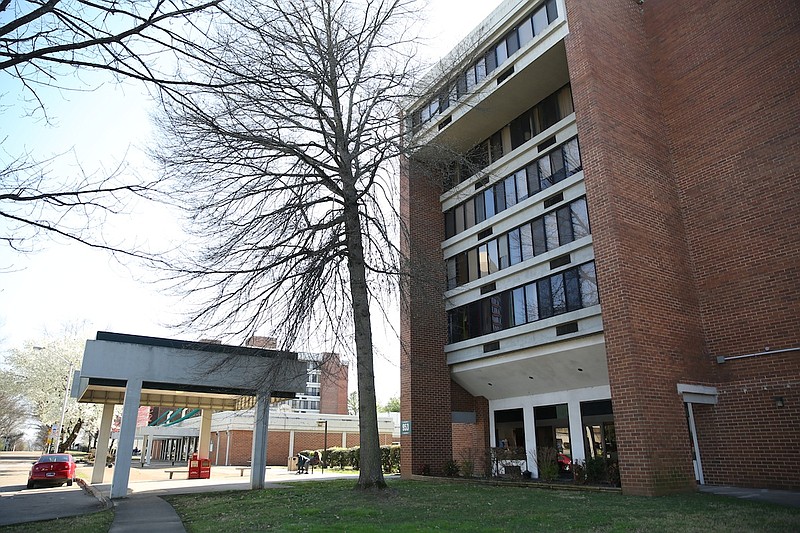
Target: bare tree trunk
371	471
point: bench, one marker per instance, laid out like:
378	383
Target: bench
173	471
241	470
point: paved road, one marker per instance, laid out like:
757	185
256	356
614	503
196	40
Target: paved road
18	504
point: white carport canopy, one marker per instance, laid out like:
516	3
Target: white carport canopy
134	370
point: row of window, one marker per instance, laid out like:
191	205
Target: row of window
305	405
544	233
312	390
494	57
532	122
569	290
538	175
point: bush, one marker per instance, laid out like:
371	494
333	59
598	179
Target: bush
450	468
547	461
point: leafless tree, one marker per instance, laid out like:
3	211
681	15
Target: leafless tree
284	159
13	417
49	44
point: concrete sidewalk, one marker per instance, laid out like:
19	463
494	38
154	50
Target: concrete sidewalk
780	497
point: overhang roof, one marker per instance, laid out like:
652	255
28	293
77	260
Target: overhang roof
177	373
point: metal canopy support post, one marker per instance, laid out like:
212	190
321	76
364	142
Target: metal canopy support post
101	446
204	442
127	432
259	456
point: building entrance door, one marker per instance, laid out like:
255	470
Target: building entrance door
552	431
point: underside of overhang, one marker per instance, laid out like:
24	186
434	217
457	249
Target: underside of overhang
574	364
172	395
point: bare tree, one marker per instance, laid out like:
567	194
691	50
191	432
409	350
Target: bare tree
49	43
13	418
284	161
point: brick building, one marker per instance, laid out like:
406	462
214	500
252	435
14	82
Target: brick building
611	189
292	426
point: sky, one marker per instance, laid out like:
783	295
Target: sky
66	284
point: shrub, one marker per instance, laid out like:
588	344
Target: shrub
450	468
547	461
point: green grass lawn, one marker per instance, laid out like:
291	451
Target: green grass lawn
449	506
90	523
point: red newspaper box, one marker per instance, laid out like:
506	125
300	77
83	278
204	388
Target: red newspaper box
205	468
194	467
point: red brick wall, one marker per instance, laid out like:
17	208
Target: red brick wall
278	445
651	314
737	172
424	374
333	386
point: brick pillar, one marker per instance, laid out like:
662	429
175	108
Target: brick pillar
651	315
424	374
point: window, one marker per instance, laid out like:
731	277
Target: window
512	42
539	21
518	316
525	32
538	175
491	60
544	233
511	191
553	295
502	245
579	216
515	246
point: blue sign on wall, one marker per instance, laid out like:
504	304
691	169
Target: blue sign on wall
405	427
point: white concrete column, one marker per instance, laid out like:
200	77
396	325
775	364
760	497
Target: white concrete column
344	439
577	451
291	443
258	463
148	450
204	443
127	432
101	447
530	439
228	447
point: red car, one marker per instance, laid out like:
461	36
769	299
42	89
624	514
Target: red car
52	469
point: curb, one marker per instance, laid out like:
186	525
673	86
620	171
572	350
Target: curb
107	503
525	484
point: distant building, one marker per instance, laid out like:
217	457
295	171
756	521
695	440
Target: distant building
325	394
604	243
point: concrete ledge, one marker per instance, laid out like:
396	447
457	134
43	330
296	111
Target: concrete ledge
107	503
527	484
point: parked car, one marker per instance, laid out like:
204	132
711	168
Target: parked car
52	469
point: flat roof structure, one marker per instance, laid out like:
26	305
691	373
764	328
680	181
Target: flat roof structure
134	370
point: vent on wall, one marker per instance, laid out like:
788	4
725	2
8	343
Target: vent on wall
550	141
505	75
560	261
553	200
491	346
564	329
443	124
489	287
485	233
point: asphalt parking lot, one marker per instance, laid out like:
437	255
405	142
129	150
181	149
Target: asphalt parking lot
18	504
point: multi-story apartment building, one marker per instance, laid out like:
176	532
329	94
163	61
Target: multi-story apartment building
611	190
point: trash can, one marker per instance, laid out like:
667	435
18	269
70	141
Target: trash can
293	464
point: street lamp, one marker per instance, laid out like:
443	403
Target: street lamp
325	451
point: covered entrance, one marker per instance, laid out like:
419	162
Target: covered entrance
133	371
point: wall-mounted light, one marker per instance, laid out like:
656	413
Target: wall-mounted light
779	401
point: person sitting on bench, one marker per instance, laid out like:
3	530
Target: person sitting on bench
302	463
